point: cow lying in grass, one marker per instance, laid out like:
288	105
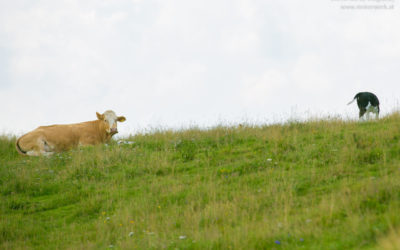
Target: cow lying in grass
367	103
46	140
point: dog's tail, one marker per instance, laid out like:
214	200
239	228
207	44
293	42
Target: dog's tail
19	149
355	97
351	101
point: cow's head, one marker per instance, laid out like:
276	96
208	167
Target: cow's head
110	120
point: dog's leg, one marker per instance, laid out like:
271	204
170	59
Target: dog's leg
361	114
376	111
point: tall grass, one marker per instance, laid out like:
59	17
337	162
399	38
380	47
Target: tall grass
321	184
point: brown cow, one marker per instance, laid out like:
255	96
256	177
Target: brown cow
46	140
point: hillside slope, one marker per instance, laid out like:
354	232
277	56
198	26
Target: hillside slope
313	185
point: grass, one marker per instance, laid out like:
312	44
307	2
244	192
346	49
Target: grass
323	184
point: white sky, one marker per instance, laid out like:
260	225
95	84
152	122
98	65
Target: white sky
177	63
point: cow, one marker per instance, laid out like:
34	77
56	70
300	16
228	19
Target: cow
47	140
367	102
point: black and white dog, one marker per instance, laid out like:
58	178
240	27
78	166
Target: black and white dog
367	103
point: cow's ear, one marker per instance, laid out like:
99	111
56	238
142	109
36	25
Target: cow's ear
100	116
121	118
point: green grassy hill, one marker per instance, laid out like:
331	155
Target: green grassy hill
324	184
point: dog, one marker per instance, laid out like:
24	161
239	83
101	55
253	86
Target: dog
367	103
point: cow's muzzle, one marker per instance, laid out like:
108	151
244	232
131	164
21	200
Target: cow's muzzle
113	131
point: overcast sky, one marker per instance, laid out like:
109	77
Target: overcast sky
179	63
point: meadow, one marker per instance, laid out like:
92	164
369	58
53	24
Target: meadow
318	184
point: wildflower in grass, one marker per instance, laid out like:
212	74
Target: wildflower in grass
120	225
182	237
103	213
130	234
131	221
277	242
108	218
301	239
